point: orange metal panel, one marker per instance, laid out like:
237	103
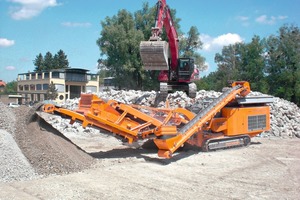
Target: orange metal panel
237	120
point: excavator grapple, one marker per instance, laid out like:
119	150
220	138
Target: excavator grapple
231	120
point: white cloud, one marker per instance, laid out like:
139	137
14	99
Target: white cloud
76	24
29	8
217	43
6	43
264	19
244	20
10	68
280	17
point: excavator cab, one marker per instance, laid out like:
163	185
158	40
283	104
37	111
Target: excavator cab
185	69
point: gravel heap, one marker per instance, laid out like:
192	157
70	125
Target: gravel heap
35	149
13	164
285	115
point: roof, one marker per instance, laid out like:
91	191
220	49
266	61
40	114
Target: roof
2	83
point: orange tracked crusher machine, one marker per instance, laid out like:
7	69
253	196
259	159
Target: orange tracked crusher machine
230	120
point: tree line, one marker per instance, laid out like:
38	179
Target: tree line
271	65
49	62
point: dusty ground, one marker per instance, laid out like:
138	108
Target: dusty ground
267	169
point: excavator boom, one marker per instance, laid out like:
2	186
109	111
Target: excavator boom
155	53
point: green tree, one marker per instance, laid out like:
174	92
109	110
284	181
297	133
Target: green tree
252	65
48	61
190	45
144	19
119	42
11	88
229	62
283	63
212	82
61	60
241	61
39	63
51	93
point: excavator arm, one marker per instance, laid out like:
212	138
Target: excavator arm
155	52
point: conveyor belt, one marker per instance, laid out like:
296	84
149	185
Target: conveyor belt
208	109
170	145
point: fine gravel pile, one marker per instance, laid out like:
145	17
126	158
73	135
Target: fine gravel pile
13	164
35	148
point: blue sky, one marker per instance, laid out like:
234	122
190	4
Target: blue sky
30	27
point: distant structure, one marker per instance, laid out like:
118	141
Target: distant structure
108	84
70	83
2	86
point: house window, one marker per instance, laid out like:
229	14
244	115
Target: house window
45	86
91	89
38	87
55	74
33	76
32	87
46	75
60	87
89	77
21	87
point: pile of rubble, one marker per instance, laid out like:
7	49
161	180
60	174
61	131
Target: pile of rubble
285	116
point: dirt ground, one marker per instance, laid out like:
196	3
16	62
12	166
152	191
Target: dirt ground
267	169
98	166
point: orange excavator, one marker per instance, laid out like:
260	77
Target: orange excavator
230	120
175	73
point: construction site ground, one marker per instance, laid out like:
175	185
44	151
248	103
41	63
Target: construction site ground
85	165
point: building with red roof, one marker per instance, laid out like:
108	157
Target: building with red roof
2	86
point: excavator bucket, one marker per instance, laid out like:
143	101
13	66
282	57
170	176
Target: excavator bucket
155	55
